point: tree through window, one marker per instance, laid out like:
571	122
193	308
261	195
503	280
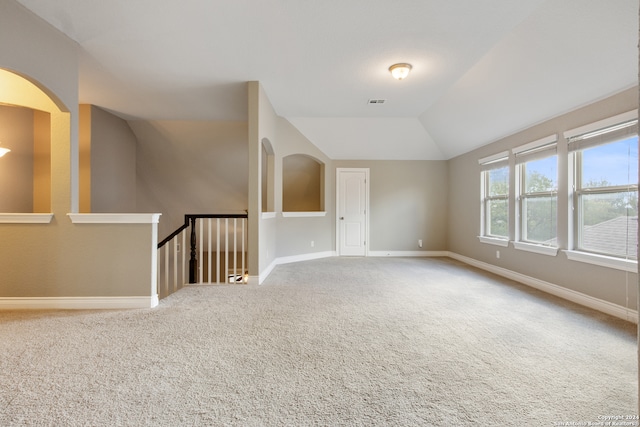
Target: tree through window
606	190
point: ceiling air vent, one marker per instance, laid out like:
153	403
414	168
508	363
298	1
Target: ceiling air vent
377	101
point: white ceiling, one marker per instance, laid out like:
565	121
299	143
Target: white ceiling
482	69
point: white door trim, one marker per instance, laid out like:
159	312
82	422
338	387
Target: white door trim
367	210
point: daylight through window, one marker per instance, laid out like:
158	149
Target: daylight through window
605	199
537	172
495	200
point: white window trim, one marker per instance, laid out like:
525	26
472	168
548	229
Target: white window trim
574	193
538	249
603	260
542	142
494	241
522	150
494	158
601	124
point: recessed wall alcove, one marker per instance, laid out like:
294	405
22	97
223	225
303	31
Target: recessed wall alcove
31	122
302	184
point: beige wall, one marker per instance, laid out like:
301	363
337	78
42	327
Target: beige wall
408	202
84	158
61	259
262	231
107	162
464	212
41	161
190	167
113	163
82	260
47	57
276	236
16	167
25	172
302	184
296	234
65	259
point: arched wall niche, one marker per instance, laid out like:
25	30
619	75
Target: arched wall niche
267	176
50	133
302	183
19	89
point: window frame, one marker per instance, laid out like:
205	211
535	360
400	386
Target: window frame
488	164
599	131
578	202
536	150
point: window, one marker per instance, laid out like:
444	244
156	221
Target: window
495	196
605	196
537	173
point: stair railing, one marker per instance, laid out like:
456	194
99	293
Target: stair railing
217	252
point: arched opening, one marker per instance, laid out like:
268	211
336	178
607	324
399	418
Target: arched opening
38	123
267	177
302	184
25	171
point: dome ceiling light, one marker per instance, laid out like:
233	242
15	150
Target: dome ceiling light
400	71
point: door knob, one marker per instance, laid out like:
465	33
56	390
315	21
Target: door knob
341	217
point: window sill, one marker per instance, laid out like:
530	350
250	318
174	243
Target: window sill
494	241
268	215
538	249
25	218
603	261
303	214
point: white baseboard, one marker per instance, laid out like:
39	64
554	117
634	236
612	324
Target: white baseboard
304	257
295	258
408	253
550	288
327	254
77	303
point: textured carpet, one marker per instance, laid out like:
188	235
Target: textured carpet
339	341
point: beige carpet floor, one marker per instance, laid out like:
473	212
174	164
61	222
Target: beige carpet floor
330	342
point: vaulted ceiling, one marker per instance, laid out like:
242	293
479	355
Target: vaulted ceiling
482	69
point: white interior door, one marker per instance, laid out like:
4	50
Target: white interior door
352	211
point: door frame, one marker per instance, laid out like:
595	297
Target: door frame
366	204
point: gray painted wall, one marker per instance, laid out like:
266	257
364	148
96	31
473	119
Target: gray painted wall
611	285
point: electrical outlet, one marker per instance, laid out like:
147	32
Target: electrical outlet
313	244
420	243
498	254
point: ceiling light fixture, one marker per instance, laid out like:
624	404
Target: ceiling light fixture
3	151
400	71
